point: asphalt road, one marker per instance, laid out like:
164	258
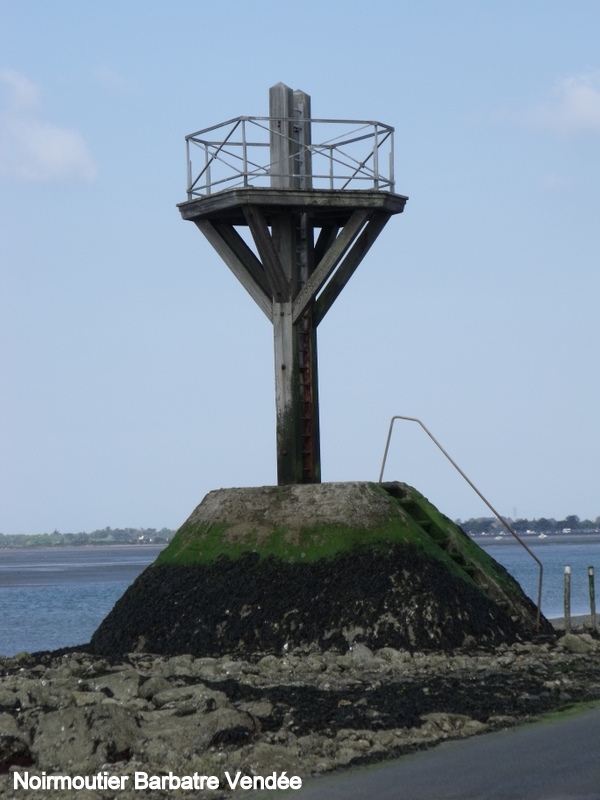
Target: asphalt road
556	759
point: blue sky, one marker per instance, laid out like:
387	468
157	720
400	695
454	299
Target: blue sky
136	374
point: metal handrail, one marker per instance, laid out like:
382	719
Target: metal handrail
476	490
351	158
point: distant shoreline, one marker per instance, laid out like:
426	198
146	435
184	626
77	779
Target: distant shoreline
488	541
534	539
79	546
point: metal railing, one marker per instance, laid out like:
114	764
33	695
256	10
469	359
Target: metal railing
350	154
509	528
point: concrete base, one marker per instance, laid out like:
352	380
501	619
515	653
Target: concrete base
317	565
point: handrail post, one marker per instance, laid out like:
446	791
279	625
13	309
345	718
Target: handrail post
244	153
331	149
189	169
375	156
207	170
479	494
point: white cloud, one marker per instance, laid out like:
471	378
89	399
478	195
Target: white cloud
574	107
32	149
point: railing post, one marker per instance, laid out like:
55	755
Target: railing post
331	167
375	156
207	169
244	153
189	169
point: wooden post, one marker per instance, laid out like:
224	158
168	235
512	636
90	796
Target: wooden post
281	109
298	456
308	406
592	597
567	598
303	136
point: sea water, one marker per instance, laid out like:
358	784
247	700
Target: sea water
57	597
555	552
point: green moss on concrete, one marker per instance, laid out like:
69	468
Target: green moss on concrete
455	541
199	544
206	542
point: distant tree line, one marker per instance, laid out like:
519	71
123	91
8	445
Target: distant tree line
490	525
104	536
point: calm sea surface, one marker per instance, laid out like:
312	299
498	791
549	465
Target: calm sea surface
580	552
57	597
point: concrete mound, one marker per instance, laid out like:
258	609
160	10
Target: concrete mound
270	569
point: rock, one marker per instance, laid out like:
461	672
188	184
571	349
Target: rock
393	655
88	698
82	739
181	666
576	644
268	758
9	699
444	722
227	726
50	691
310	664
257	708
14	750
299	712
360	652
268	663
198	697
122	684
502	720
153	686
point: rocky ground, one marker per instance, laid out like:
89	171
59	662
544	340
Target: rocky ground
303	712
